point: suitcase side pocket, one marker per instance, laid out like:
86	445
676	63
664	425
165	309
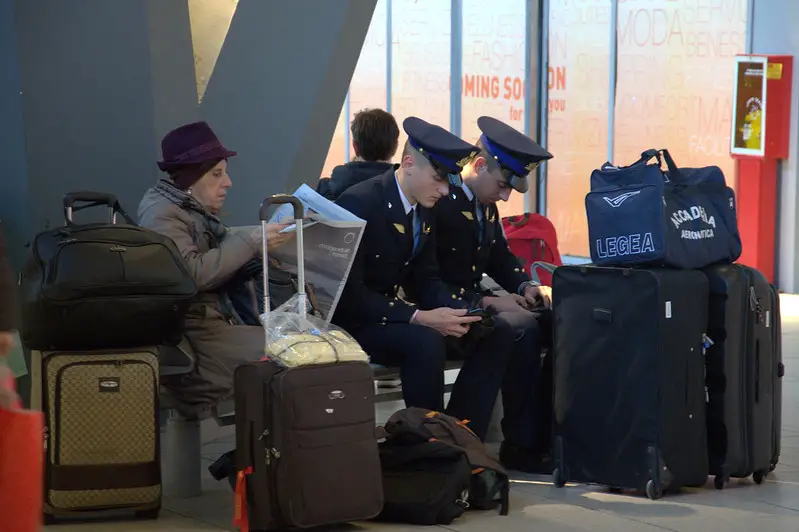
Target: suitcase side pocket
327	471
329	475
626	225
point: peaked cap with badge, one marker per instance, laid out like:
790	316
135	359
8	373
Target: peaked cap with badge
447	153
515	152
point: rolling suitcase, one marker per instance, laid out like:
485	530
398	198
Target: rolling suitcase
101	439
306	445
629	399
744	369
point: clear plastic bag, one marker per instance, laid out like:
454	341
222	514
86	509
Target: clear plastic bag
295	340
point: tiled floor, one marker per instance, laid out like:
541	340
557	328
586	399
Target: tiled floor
536	505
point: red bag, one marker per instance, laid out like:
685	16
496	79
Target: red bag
532	238
21	466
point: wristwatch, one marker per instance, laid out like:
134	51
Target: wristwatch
525	284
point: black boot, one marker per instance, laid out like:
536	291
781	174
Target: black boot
525	460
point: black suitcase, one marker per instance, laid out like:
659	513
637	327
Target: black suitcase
744	368
306	437
629	399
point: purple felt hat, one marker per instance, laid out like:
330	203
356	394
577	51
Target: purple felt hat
191	144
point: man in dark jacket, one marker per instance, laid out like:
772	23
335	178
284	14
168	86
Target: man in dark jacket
375	138
469	240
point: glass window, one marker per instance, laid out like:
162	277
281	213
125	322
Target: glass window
420	62
577	130
336	153
675	79
368	85
493	71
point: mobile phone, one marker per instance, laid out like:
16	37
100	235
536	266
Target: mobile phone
477	311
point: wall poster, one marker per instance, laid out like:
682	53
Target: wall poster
749	106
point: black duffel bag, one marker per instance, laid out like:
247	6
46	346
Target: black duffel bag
103	285
640	215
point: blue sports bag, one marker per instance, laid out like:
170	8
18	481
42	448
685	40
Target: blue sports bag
641	215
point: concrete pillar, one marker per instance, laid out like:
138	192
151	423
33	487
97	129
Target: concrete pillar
276	91
774	33
101	82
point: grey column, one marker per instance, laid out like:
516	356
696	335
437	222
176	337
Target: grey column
536	59
14	180
773	32
87	101
276	92
103	81
173	81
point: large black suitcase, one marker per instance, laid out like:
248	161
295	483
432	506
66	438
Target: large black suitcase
90	286
629	399
744	368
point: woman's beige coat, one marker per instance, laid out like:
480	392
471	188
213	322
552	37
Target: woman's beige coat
213	253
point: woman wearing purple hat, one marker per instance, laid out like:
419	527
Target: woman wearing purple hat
184	206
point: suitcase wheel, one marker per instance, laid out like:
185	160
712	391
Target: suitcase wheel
759	476
148	514
653	491
719	482
557	478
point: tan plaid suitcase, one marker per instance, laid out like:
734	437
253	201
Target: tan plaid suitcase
101	436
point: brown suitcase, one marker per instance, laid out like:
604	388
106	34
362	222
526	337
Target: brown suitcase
306	446
101	435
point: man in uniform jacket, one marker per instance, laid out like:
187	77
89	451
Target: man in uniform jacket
470	242
396	206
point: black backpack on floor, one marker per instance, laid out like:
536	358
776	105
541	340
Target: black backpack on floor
423	475
424	482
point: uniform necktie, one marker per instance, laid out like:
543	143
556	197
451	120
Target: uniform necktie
412	229
480	215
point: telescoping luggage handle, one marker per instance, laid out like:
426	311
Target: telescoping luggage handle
94	199
299	213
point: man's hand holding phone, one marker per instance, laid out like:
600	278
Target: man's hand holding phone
447	321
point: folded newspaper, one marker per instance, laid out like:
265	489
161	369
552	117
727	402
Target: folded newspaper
331	235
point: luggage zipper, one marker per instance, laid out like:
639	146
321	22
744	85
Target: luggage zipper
754	304
749	330
268	451
287	511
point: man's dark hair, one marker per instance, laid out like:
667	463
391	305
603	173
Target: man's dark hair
375	135
492	164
